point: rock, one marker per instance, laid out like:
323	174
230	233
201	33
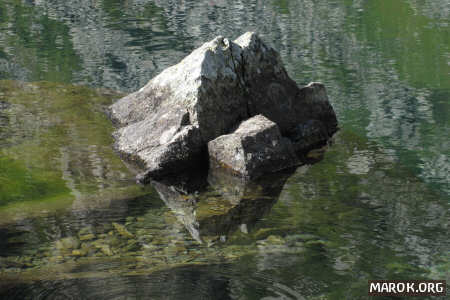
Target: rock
255	148
123	231
131	246
86	230
161	142
205	84
78	253
68	243
87	237
105	249
274	94
166	125
272	240
301	238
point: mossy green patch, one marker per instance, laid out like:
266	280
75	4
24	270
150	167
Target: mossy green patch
19	183
58	144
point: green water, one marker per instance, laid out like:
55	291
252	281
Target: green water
73	223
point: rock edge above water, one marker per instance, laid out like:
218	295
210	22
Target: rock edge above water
165	126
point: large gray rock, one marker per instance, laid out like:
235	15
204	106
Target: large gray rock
206	84
255	148
166	125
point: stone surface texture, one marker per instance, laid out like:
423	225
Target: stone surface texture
255	148
165	126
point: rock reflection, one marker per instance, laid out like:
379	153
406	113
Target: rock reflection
328	226
227	204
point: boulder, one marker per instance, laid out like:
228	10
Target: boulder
255	148
165	126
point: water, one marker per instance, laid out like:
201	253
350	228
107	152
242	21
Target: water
74	225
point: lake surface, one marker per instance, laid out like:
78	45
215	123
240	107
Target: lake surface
374	205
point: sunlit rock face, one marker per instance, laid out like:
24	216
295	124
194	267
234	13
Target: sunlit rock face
255	148
167	123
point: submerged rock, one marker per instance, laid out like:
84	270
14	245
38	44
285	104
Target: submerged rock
87	237
68	243
166	125
122	231
255	148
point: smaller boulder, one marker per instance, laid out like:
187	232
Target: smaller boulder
254	148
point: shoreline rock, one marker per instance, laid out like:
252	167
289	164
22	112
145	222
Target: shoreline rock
165	126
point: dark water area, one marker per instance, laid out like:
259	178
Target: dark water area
374	205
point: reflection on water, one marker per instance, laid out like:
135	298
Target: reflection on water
322	231
228	203
73	223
